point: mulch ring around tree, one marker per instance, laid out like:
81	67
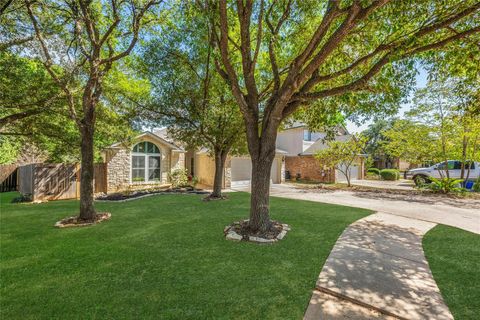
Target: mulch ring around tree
240	231
126	196
210	197
71	222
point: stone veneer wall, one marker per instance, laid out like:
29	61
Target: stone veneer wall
119	166
309	168
118	169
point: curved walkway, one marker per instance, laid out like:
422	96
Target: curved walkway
377	270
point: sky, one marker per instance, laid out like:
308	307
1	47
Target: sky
421	82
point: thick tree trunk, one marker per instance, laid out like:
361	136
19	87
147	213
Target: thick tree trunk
87	210
220	158
260	184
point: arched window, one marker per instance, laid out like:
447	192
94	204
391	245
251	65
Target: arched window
145	162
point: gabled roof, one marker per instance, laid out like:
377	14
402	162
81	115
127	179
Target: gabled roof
153	137
322	144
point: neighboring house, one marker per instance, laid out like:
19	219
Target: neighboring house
301	146
386	162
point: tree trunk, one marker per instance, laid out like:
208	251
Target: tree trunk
464	154
87	210
220	158
260	184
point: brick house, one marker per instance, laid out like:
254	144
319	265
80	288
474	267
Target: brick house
301	145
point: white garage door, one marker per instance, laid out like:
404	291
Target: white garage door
340	177
242	171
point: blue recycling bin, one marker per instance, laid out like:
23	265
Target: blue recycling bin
469	184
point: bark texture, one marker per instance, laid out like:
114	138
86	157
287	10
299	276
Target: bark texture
87	210
220	158
262	155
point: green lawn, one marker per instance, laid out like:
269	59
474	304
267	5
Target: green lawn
454	258
162	257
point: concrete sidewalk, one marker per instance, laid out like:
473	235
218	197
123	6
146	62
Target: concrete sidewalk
377	270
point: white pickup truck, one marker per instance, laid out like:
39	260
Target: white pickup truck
422	175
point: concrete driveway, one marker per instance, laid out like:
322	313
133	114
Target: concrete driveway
402	184
455	214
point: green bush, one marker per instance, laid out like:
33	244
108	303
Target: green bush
390	174
179	178
445	185
374	171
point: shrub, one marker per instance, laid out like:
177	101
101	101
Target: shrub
179	178
445	185
390	174
372	176
476	186
193	181
374	171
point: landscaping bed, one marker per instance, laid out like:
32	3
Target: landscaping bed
380	191
124	196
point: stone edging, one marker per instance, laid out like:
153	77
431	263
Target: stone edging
62	224
230	234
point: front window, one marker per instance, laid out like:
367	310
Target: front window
145	162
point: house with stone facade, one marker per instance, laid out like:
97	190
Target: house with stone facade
148	162
152	156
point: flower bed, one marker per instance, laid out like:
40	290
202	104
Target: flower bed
126	196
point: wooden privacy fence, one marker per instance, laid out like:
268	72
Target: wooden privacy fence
55	181
8	177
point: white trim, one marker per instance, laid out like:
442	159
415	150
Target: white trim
146	155
153	136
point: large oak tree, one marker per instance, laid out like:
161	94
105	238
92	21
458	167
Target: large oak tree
281	55
86	38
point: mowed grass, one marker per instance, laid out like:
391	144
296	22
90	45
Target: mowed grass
454	258
162	257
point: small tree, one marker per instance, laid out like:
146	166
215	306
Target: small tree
188	95
411	141
341	155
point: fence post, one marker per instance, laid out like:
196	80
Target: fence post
77	180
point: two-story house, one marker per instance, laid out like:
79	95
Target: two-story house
301	144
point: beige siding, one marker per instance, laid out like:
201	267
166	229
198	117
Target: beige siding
204	169
291	140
